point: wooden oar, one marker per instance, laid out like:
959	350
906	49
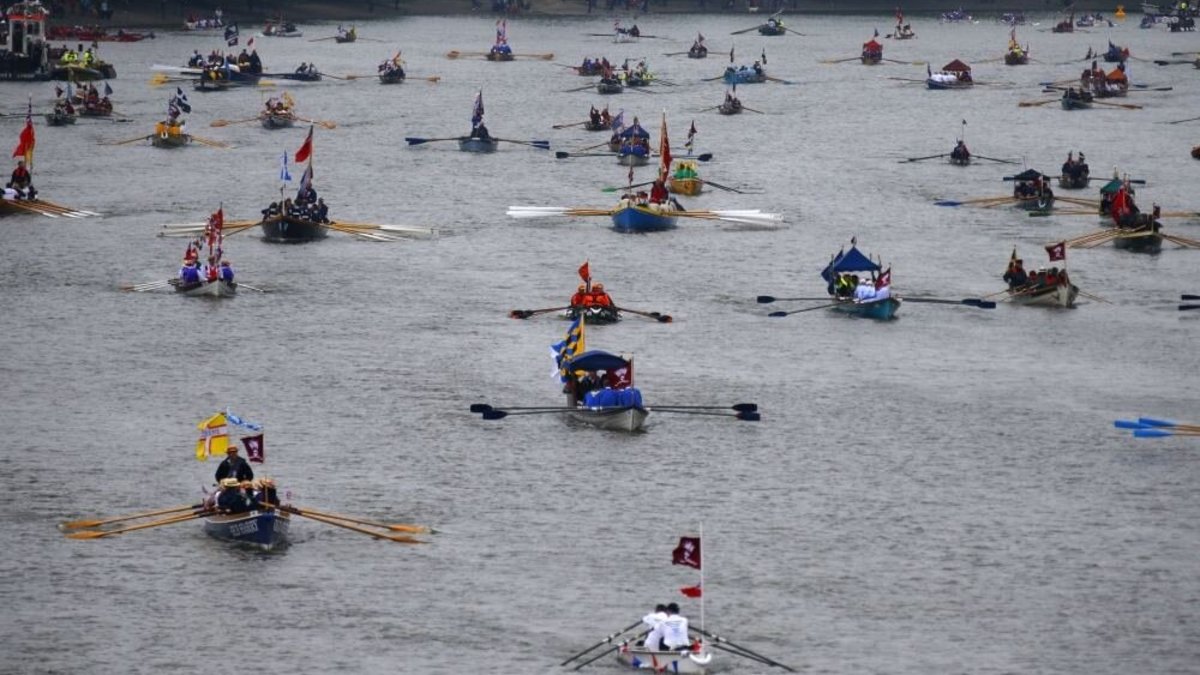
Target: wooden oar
607	639
526	313
724	187
974	202
753	110
993	159
498	414
77	524
127	142
484	407
568	126
737	407
657	316
401	539
97	534
806	309
921	159
779	80
419	141
540	145
833	61
149	286
544	57
718	639
323	123
1181	241
209	142
970	302
454	54
907	63
1031	104
394	527
225	123
562	154
618	188
617	647
1127	106
331	37
743	416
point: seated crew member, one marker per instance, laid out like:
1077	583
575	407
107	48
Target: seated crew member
321	212
599	296
233	497
960	151
577	300
758	69
265	493
234	466
480	131
22	181
189	273
675	629
226	271
653	621
594	116
1015	275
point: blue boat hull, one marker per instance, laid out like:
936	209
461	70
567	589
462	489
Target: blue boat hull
881	310
741	77
264	529
641	219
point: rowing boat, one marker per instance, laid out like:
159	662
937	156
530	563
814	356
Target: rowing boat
165	136
609	87
276	120
634	216
212	289
868	298
1077	99
953	75
289	229
60	119
478	144
615	407
1139	239
732	107
1062	294
744	75
263	529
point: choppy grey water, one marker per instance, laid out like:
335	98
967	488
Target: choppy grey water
940	494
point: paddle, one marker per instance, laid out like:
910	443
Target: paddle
98	534
1190	119
739	407
127	142
1031	104
561	154
753	110
501	414
970	302
540	145
1127	106
400	539
833	61
921	159
1162	433
906	63
1184	308
526	313
324	123
604	641
225	123
742	32
568	126
767	299
718	639
806	309
661	318
150	286
394	527
1187	296
209	142
484	407
627	187
743	416
993	159
418	141
779	80
76	524
723	187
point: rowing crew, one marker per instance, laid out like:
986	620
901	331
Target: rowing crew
668	629
595	297
866	289
236	496
20	184
1019	280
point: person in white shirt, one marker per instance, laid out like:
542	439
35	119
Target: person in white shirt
675	629
654	621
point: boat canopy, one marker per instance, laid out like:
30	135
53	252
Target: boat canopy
596	360
956	66
635	130
848	261
1028	175
1112	187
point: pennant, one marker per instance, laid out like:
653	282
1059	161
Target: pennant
255	452
585	272
876	32
664	148
691	138
107	90
27	140
687	552
250	43
58	92
306	179
692	591
238	421
305	150
1057	251
214	437
284	175
477	111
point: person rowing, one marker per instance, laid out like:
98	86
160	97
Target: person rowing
960	152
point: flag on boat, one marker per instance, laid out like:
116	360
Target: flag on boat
618	122
255	451
884	279
214	437
284	174
58	92
690	143
231	35
585	272
570	346
27	140
502	31
306	179
250	43
1057	251
477	111
692	591
107	90
731	54
305	150
241	422
687	552
764	57
620	378
664	149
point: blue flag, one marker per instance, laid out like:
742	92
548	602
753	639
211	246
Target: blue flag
570	346
477	113
283	170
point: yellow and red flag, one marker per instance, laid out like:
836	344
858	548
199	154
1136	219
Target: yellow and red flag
214	437
27	140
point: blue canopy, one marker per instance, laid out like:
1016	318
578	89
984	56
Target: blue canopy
1028	175
635	130
596	360
848	261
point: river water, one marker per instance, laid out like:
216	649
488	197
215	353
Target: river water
943	493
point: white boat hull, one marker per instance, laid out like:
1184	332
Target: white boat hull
613	419
1058	296
683	661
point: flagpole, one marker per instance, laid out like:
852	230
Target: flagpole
702	544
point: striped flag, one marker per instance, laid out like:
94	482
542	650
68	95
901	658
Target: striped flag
27	140
284	174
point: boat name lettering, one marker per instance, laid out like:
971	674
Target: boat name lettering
248	527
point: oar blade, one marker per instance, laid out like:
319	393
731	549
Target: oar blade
86	534
1155	422
765	299
1152	433
480	407
748	416
745	407
1128	424
494	414
778	314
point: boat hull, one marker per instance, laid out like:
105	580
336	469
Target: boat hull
686	186
964	160
597	126
632	159
1015	59
500	56
478	144
682	661
391	78
170	140
1043	202
1077	102
1061	295
1139	241
277	121
940	85
626	418
729	109
289	230
697	54
744	77
1068	182
206	289
343	39
642	219
872	60
610	88
263	529
880	310
59	119
594	315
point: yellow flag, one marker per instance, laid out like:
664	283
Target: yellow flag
214	437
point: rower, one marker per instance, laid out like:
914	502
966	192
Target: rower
652	621
578	300
675	629
233	497
480	131
226	272
265	493
658	192
22	181
1015	275
321	215
599	297
595	116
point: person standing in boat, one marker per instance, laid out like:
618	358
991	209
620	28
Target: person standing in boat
234	466
1015	275
226	272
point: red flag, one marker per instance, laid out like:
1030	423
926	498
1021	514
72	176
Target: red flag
305	150
254	448
250	43
687	552
620	378
692	591
884	279
1120	205
27	140
664	148
585	272
1057	251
